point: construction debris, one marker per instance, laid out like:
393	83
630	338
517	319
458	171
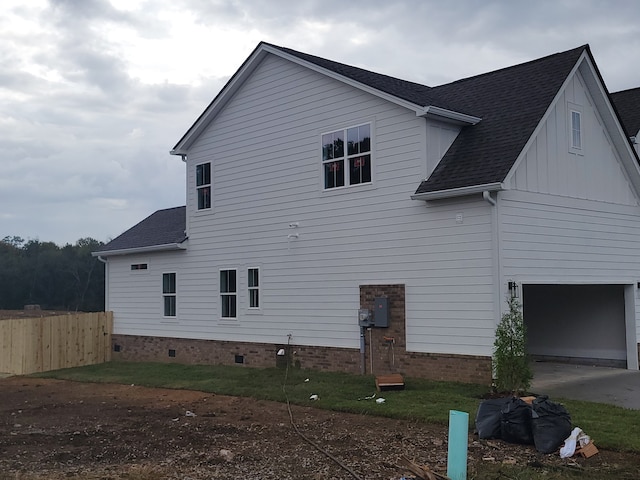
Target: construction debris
422	472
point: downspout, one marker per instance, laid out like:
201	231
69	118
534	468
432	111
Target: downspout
487	196
497	283
106	282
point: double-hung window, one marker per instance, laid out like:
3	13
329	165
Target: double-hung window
203	185
253	285
228	294
169	294
346	157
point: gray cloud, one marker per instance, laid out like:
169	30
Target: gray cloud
85	144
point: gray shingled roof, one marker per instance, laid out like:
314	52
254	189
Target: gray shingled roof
627	102
164	227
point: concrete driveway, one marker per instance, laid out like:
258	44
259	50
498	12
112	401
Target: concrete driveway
614	386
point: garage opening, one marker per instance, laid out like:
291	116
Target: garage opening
582	324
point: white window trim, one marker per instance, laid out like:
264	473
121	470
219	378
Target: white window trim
204	185
347	187
571	109
234	294
175	295
258	288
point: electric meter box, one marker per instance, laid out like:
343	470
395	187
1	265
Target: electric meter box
381	312
364	318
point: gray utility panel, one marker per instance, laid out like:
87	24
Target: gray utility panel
381	312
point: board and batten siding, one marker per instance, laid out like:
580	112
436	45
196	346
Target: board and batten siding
548	166
265	152
569	218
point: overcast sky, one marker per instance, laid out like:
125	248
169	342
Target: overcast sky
94	93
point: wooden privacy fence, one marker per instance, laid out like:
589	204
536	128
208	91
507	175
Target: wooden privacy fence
29	345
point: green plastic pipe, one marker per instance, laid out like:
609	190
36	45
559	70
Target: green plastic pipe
458	443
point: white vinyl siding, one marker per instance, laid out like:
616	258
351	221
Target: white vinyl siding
374	234
556	240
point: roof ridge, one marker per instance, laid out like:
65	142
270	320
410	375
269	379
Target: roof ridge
512	67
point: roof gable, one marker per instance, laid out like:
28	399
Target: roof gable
411	95
162	230
511	102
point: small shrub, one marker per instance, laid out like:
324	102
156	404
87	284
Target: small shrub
510	359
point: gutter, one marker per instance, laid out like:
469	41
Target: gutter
449	115
459	192
129	251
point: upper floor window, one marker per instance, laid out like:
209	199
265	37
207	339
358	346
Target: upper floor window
576	129
203	185
350	163
169	294
228	294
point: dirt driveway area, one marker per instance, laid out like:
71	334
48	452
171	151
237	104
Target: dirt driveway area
53	429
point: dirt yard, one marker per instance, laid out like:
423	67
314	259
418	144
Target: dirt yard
58	429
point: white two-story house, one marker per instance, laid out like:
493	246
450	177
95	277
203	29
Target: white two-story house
315	189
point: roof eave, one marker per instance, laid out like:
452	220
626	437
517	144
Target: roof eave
146	249
238	78
458	192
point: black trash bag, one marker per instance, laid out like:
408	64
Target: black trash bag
516	422
551	424
489	417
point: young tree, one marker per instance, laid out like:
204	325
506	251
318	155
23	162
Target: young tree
510	359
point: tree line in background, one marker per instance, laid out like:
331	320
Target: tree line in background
56	278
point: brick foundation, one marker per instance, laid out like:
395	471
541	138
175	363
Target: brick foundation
459	368
385	350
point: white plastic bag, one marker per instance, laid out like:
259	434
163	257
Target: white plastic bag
577	437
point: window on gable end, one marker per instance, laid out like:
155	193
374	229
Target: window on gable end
346	163
576	129
203	185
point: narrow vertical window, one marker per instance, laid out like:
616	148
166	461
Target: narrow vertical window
169	294
576	130
228	293
253	282
203	185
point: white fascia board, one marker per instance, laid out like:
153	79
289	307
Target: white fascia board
150	248
458	192
449	116
231	87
